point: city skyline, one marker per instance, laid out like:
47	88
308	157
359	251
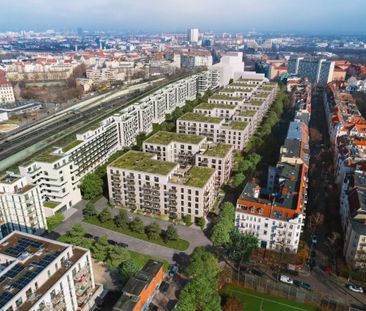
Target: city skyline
161	15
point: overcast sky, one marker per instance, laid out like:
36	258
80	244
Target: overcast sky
319	16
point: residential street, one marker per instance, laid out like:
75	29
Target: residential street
193	234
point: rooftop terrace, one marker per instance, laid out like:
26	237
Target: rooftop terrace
194	176
218	150
165	138
192	116
226	97
237	125
208	106
247	113
143	162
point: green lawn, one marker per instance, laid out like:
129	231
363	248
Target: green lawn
54	221
254	301
178	244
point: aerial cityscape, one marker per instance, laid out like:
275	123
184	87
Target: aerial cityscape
182	155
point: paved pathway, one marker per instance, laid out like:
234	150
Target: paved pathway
194	235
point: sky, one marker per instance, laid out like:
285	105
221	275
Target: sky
298	16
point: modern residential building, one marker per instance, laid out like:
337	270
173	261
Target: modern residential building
231	66
140	289
6	93
21	206
42	274
318	71
137	180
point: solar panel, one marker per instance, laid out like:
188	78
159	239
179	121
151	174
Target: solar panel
5	297
13	272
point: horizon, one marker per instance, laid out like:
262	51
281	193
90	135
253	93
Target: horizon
142	16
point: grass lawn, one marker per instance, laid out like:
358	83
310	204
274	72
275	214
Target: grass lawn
141	259
54	221
178	244
255	301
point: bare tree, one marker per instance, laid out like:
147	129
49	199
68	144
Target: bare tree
315	220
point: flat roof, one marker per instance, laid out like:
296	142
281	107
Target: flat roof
247	113
71	145
195	176
30	256
226	97
192	116
237	125
143	162
209	106
218	150
47	156
165	138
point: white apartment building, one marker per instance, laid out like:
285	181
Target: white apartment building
231	66
57	179
174	147
41	274
193	35
21	206
6	93
137	180
208	80
216	110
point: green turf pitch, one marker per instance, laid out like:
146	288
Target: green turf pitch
254	301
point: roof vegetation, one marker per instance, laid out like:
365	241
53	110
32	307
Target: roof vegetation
218	150
226	97
71	145
165	138
209	106
192	116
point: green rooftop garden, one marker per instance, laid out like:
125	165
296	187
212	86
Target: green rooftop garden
236	90
50	204
71	145
255	102
209	106
267	88
165	138
198	176
238	125
192	116
47	157
247	113
143	162
219	150
261	95
226	97
242	85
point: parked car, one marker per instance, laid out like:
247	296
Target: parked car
258	272
173	270
355	288
314	239
90	236
125	245
291	272
164	286
286	279
245	269
302	284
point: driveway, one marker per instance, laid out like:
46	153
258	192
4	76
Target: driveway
193	234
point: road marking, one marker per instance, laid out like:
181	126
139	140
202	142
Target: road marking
265	299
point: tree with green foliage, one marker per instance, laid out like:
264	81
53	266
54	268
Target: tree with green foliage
76	234
137	225
187	220
171	233
91	186
202	222
100	248
121	220
54	221
127	269
90	210
221	230
117	255
153	231
201	292
242	246
238	180
105	215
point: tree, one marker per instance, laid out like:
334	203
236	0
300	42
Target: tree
89	210
221	230
187	220
105	215
117	255
153	231
233	304
137	225
100	248
242	246
127	269
315	220
238	180
121	220
202	222
171	233
91	186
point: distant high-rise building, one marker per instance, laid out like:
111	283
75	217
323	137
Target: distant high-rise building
193	35
80	31
318	71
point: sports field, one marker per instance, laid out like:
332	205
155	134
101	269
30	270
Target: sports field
254	301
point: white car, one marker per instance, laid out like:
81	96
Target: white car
355	288
286	279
